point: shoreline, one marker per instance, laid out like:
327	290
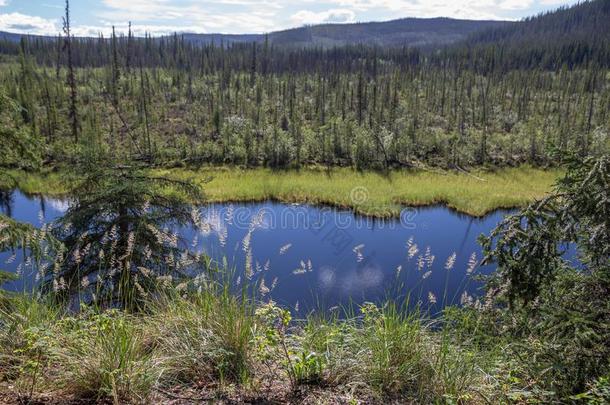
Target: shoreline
366	193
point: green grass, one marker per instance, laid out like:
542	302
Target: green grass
48	182
376	194
218	345
368	193
208	344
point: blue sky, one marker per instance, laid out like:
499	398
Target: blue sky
157	17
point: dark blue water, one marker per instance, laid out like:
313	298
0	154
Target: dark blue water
313	257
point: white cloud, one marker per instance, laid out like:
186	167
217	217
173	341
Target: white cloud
27	24
467	9
515	4
158	17
304	17
252	16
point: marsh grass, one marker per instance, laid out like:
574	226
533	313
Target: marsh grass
27	327
476	194
105	358
204	337
385	193
206	340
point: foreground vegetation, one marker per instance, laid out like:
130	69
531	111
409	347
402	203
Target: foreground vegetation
370	193
212	345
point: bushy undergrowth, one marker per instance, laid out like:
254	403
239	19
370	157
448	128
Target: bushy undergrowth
218	343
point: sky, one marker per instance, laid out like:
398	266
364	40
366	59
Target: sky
160	17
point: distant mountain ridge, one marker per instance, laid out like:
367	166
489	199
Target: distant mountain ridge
584	26
401	32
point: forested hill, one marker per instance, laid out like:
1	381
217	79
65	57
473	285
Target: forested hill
568	36
402	32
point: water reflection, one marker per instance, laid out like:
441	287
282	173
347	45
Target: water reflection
319	257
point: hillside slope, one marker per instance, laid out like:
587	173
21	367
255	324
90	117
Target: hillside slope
403	32
569	35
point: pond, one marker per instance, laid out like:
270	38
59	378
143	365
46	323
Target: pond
318	257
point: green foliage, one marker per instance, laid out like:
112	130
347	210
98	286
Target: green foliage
39	243
26	332
206	335
439	110
597	394
560	315
106	358
4	296
118	235
19	147
528	247
392	351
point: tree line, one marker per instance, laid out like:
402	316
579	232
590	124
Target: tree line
171	101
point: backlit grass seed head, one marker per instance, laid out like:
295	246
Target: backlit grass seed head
300	270
274	283
249	272
450	261
412	251
229	215
466	300
246	241
285	248
76	256
145	271
264	290
420	263
140	289
472	263
223	233
429	257
131	239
